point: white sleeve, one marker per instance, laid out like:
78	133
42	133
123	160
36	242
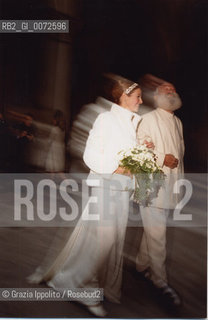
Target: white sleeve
96	156
160	158
143	133
181	134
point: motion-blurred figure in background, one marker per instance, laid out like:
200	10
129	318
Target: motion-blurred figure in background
80	131
164	129
25	134
55	161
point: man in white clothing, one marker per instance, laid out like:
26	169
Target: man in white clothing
164	130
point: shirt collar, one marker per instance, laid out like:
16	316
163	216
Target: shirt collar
165	113
125	112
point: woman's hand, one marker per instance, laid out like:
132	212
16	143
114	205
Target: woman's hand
149	144
124	171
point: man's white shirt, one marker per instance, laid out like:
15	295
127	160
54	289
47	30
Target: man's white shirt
166	132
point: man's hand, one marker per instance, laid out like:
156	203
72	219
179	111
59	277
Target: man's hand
121	170
170	161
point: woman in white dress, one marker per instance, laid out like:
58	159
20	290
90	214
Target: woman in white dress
92	257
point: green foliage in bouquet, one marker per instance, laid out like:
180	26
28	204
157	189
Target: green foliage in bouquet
149	177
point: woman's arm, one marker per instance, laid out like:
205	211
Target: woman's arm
96	155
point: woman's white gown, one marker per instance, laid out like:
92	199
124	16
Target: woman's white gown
92	257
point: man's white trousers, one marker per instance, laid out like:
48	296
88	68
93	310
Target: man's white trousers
152	251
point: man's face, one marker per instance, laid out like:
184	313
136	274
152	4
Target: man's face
166	88
166	97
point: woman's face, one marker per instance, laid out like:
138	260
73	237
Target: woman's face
133	101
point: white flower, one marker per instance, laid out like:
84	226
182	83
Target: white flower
128	152
137	157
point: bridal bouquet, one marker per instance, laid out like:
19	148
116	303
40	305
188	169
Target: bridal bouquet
142	163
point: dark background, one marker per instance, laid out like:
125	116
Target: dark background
167	38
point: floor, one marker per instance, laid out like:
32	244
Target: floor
23	249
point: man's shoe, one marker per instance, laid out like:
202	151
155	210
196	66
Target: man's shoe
170	294
97	310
